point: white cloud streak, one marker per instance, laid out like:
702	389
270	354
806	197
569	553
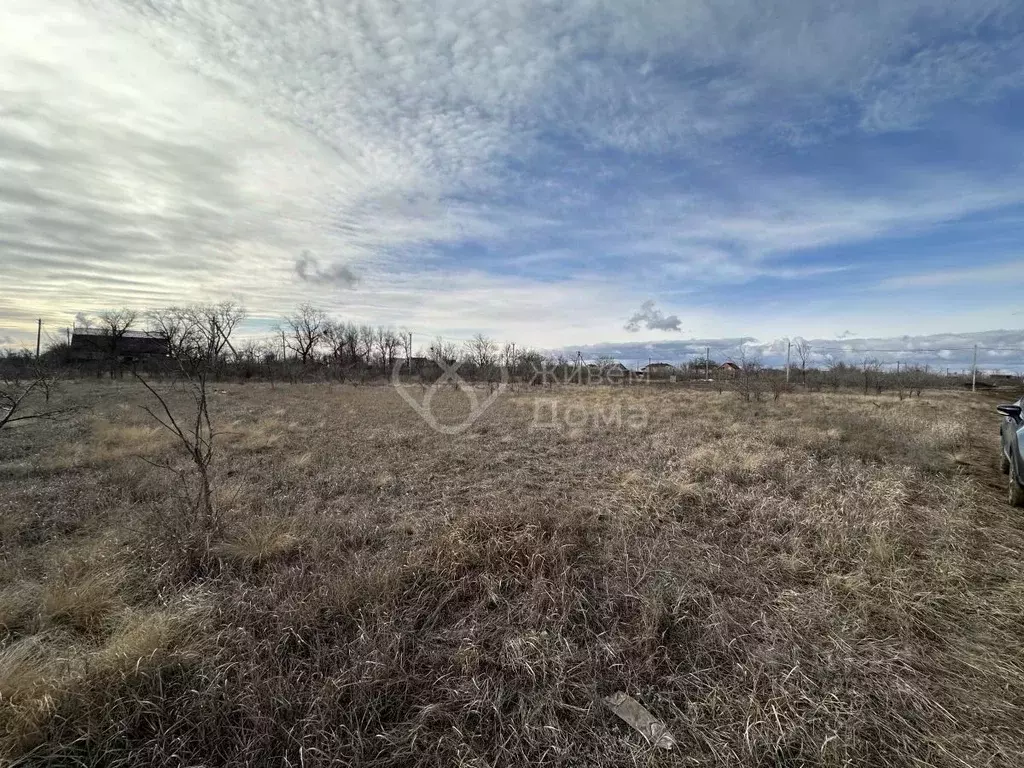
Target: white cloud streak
999	276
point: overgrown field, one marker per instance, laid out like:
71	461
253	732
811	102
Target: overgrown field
825	580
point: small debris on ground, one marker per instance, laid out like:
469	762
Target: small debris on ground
631	711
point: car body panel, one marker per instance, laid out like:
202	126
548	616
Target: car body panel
1011	433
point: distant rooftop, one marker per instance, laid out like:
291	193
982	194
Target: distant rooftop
87	331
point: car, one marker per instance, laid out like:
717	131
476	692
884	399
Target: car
1011	434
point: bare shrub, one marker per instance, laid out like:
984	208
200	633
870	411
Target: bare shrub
199	522
18	398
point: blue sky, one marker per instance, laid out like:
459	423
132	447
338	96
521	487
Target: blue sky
538	171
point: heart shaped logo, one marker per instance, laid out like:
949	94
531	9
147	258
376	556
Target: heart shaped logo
449	375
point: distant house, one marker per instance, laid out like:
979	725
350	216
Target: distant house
729	366
89	344
658	371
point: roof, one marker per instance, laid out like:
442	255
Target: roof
90	343
89	332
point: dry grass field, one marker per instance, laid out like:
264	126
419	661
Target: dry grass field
825	580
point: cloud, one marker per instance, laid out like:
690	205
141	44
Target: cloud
996	275
997	350
157	153
652	319
308	268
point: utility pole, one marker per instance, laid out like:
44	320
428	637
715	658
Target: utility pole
39	337
707	362
789	346
974	370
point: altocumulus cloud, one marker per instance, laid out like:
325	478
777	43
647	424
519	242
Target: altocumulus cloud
163	152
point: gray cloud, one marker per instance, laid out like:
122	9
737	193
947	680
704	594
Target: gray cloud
308	268
652	319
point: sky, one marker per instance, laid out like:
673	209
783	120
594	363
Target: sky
600	173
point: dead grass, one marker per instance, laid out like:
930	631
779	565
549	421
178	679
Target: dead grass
826	580
258	542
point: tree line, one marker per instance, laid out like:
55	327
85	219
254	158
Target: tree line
309	342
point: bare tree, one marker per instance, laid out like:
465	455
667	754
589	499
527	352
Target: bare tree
750	374
533	364
379	345
835	370
482	352
389	343
334	338
214	324
406	337
350	335
510	358
600	371
444	353
117	322
176	325
19	401
195	435
873	376
366	338
803	351
305	331
113	325
47	377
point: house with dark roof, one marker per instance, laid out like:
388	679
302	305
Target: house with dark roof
90	344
